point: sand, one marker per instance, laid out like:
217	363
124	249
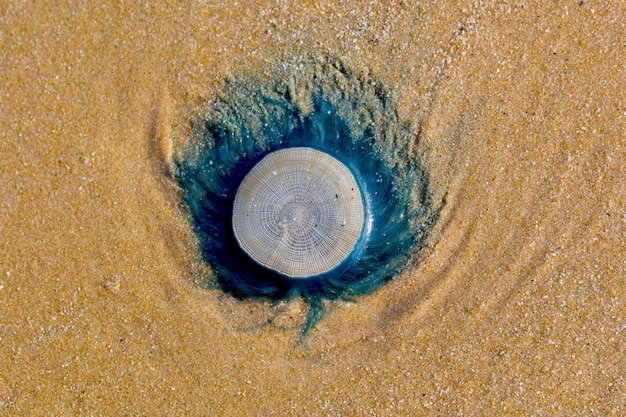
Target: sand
517	306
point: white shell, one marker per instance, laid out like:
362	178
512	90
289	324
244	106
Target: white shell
299	212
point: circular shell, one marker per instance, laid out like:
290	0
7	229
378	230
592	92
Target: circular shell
299	212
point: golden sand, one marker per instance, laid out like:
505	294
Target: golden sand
518	306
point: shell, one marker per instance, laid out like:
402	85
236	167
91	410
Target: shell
299	212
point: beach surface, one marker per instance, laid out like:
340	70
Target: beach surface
517	305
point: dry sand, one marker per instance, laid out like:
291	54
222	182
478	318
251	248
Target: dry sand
518	307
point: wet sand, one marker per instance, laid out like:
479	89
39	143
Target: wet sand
517	306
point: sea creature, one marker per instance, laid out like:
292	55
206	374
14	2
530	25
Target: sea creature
314	197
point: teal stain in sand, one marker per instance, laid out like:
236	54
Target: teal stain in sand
317	200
